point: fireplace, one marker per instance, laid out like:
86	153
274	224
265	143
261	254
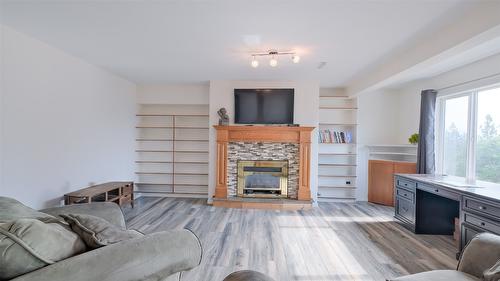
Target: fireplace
286	149
262	178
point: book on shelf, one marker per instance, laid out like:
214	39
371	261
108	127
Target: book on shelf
348	137
330	136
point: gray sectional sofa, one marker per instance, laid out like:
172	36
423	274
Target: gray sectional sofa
157	256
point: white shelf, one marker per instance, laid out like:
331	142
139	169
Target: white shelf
338	187
338	124
337	165
336	176
338	161
337	108
336	143
325	199
338	154
392	145
171	115
335	97
393	153
172	150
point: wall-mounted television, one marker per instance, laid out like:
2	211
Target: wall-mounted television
263	106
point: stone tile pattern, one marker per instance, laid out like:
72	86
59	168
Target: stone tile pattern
263	151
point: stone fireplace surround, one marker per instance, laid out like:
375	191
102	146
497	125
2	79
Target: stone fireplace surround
263	143
270	151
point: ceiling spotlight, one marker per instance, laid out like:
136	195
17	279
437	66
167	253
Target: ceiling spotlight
255	63
273	62
295	59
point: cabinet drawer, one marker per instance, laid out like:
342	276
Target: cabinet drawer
482	223
405	209
468	232
481	207
406	194
406	183
438	191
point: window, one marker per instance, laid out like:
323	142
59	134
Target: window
469	135
455	136
488	138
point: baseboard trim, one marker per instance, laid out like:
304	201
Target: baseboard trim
177	195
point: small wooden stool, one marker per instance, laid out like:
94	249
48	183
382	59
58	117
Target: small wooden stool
247	275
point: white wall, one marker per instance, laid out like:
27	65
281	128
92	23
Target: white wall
408	110
378	124
377	117
306	106
67	124
173	94
389	116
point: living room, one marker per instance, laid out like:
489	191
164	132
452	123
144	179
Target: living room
249	140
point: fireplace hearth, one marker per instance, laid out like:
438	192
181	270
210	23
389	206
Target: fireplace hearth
259	178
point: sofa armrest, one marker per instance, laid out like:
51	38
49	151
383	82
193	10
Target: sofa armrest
106	210
482	252
151	257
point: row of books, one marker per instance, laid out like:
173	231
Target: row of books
330	136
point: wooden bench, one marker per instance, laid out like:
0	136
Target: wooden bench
120	192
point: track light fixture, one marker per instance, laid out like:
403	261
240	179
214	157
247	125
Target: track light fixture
273	62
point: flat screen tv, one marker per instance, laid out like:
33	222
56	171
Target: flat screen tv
263	106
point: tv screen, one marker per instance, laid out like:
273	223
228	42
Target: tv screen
263	106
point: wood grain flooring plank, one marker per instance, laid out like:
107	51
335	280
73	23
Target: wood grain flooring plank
335	241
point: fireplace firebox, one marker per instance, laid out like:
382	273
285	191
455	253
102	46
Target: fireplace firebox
261	178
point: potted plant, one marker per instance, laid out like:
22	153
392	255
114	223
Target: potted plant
413	139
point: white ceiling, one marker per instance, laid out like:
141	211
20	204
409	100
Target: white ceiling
195	41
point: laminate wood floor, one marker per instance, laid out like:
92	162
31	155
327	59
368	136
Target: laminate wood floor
336	241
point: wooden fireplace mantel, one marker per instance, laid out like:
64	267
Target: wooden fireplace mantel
300	135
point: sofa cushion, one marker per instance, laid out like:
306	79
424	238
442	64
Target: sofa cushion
107	210
438	275
29	244
493	273
11	209
480	254
97	232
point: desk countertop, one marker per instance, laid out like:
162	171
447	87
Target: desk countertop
483	189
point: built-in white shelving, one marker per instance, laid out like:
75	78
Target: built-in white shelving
172	150
393	152
337	162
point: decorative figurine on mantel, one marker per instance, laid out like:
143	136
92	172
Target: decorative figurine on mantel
224	118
